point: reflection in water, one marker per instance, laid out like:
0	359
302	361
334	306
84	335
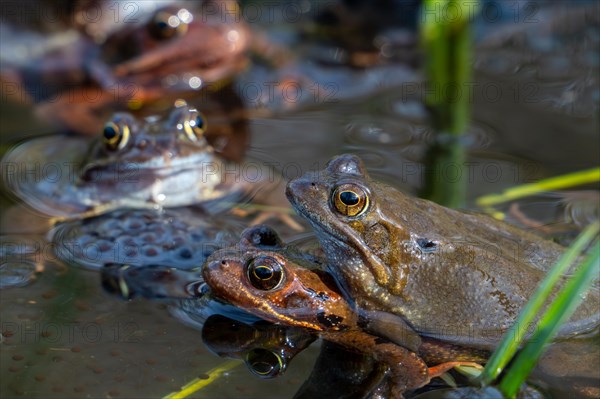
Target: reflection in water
267	349
341	373
269	279
151	281
65	325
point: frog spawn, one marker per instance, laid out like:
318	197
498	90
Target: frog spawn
178	238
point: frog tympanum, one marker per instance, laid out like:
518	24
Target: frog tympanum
260	276
458	276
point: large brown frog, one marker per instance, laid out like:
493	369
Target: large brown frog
462	277
263	277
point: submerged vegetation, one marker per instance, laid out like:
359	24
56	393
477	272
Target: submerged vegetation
447	47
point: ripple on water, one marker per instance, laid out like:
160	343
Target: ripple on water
373	159
411	109
381	131
552	68
19	260
479	135
17	273
574	97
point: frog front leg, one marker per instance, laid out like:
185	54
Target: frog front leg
390	326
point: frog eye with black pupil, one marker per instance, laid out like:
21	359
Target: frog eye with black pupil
264	363
265	273
115	136
194	125
350	199
166	25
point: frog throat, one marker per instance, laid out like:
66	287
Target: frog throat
395	282
266	310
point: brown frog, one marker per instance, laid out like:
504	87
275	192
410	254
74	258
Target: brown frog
459	276
269	280
151	58
149	163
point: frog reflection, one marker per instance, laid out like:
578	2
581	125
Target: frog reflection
267	349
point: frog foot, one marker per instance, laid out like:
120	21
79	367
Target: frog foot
265	215
281	216
516	212
440	369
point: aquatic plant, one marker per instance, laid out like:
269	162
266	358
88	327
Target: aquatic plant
446	43
556	313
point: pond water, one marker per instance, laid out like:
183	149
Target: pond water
535	98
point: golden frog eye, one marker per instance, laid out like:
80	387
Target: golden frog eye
350	199
115	135
265	273
264	363
167	24
188	121
194	125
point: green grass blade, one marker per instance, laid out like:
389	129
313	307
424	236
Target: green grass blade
553	183
513	338
560	309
